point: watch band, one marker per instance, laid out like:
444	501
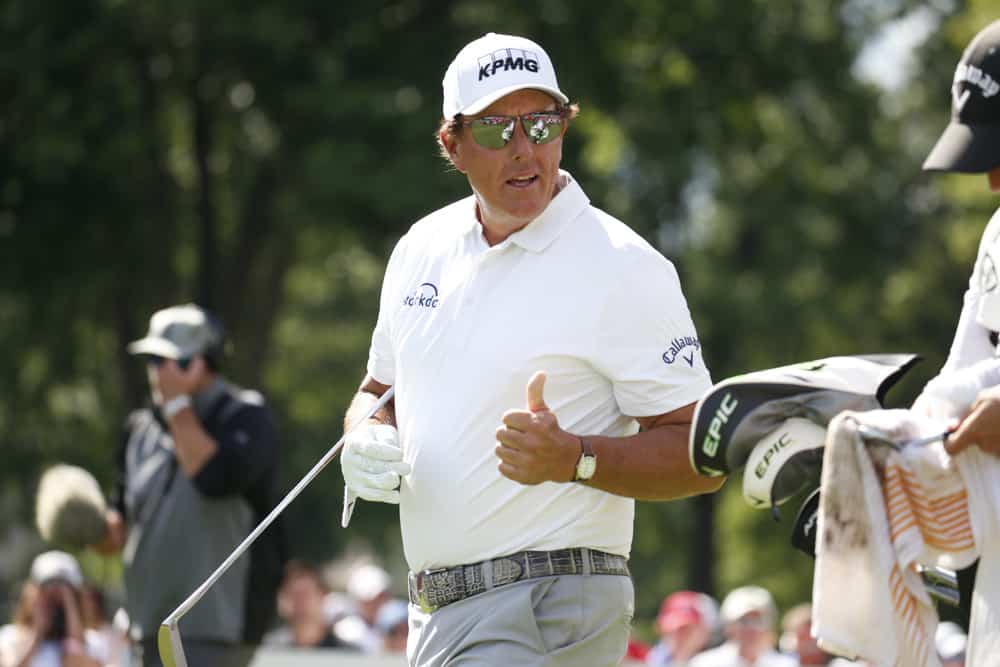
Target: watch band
175	405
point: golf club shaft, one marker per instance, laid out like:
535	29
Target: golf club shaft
192	599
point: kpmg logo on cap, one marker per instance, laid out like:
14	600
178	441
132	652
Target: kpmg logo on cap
425	296
507	60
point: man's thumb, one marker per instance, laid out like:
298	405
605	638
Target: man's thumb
536	389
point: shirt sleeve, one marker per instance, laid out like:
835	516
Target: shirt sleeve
647	345
980	315
248	447
381	354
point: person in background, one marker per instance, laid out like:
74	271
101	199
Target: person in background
950	641
300	605
94	608
198	469
748	617
685	624
392	625
797	640
368	588
48	629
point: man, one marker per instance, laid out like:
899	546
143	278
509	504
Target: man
686	622
197	472
967	388
971	144
300	604
516	486
748	616
797	640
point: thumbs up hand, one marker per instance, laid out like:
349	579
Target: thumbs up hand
532	448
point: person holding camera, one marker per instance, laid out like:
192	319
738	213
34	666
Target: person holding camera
197	471
47	629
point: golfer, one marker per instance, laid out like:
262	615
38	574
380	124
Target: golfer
545	368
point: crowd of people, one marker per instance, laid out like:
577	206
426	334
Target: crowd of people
61	619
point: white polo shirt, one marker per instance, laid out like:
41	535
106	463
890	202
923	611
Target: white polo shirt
981	305
463	326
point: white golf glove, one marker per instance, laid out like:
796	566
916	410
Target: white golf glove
950	396
372	463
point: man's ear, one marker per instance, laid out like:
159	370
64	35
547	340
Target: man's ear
453	146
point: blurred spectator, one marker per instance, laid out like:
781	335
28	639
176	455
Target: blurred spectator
685	624
392	623
47	628
748	616
197	470
636	649
368	588
94	608
300	605
797	640
950	641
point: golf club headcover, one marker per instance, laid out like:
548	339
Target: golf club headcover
70	508
783	463
804	528
736	413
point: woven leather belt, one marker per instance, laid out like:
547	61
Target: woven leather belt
433	589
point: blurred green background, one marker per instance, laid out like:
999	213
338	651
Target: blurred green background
262	158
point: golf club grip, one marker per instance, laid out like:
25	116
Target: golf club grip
199	592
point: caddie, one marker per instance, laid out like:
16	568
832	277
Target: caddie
967	390
545	368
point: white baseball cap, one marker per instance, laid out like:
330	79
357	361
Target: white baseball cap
492	66
745	599
368	582
56	565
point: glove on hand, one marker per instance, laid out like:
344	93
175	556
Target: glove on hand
372	462
950	396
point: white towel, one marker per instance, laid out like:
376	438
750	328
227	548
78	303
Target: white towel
883	511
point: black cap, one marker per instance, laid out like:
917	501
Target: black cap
971	142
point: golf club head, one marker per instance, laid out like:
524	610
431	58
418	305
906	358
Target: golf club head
168	641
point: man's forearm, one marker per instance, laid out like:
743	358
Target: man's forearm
369	392
650	465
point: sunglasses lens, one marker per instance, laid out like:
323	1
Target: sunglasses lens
542	128
154	360
492	131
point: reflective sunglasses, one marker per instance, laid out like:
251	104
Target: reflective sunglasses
540	127
157	361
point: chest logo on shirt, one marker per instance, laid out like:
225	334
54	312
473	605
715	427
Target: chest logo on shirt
677	346
425	296
988	274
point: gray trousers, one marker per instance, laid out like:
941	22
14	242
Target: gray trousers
199	653
571	620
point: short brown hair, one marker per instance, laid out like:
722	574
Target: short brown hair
452	127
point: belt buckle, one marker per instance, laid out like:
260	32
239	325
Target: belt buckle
422	601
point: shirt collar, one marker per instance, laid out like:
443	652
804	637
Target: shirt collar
543	230
562	210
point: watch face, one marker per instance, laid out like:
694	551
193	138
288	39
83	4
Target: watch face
586	467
